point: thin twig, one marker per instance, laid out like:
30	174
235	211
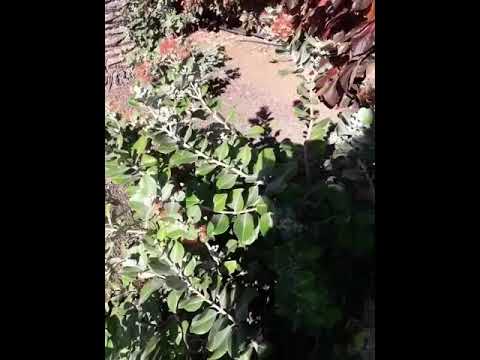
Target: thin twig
198	293
229	212
177	139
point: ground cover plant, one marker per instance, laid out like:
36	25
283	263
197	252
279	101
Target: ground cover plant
223	244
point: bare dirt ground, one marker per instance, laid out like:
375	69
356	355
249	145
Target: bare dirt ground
255	92
259	93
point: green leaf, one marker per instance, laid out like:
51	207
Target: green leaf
143	196
204	169
164	144
220	340
222	350
299	112
365	115
191	304
159	267
190	268
167	191
244	155
303	91
182	157
148	161
150	347
192	200
252	196
175	283
114	169
223	295
254	131
219	201
177	252
221	152
140	145
266	160
231	266
188	134
266	223
172	300
246	355
319	130
220	224
194	213
226	181
202	323
263	205
237	200
244	228
218	325
231	246
149	288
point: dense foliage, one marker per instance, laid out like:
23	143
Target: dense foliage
349	25
225	245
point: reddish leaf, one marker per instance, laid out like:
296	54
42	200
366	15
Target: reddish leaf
336	3
333	94
291	4
356	30
339	36
371	12
316	20
323	2
333	22
363	41
345	75
360	5
370	73
320	84
357	72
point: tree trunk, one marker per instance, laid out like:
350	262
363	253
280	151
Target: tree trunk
117	45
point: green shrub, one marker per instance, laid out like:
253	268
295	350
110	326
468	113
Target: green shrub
229	235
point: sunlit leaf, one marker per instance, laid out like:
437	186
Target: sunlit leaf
221	152
219	201
182	157
226	181
236	203
194	213
177	252
190	268
244	228
140	145
254	131
204	169
149	288
244	155
202	323
231	266
172	300
266	223
164	144
191	304
220	224
266	160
